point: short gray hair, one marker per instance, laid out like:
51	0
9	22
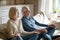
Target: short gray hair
24	8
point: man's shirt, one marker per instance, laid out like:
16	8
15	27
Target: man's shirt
30	24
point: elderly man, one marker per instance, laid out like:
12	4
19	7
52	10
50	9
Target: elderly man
30	24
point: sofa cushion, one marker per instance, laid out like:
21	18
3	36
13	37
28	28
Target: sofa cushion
2	31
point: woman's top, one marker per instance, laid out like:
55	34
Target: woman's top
14	27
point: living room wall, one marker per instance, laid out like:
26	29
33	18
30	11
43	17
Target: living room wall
17	2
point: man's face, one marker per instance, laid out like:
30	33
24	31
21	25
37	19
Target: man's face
27	13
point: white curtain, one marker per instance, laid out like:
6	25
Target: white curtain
46	6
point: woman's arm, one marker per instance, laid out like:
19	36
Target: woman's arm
9	29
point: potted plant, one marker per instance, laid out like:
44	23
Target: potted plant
58	12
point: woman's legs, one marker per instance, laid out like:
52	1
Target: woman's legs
21	38
16	38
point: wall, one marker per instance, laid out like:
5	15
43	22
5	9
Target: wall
2	2
17	2
35	3
9	2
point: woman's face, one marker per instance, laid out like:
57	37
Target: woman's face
16	16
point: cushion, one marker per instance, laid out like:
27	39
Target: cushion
2	31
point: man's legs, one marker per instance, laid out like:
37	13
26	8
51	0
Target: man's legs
50	31
44	36
31	37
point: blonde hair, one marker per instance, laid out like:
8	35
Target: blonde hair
25	8
12	12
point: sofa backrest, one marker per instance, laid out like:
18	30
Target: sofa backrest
2	28
4	10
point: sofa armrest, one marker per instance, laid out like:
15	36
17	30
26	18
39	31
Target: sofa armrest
3	31
2	36
56	34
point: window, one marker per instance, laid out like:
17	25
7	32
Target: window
56	8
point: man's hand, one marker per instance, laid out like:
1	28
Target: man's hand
52	25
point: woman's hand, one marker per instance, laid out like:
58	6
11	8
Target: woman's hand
17	34
43	31
36	32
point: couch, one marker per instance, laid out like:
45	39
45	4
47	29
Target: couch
3	32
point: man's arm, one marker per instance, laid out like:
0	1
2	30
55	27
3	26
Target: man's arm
40	24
